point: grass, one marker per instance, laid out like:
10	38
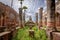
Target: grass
23	34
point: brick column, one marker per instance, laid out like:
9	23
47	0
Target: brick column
50	17
51	13
40	13
20	15
37	18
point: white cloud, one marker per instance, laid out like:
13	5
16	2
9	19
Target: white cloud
45	1
45	8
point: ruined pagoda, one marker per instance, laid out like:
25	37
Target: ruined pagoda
30	22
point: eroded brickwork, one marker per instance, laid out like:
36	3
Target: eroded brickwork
37	18
40	13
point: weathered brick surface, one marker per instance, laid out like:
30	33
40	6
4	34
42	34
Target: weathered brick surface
40	13
56	36
8	19
50	24
10	14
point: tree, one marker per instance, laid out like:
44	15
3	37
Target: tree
21	2
11	3
20	13
24	8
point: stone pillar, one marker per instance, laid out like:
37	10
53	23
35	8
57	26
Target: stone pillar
40	13
50	17
20	15
51	13
37	18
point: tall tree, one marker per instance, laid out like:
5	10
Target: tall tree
20	13
21	2
11	3
24	8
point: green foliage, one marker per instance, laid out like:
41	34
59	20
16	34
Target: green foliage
21	0
23	34
44	26
24	7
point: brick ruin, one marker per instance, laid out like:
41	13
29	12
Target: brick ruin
9	22
51	19
40	13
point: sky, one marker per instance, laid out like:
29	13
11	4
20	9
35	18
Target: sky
33	6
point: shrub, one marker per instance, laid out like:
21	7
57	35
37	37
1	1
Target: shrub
23	34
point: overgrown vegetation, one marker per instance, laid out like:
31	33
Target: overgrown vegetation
23	34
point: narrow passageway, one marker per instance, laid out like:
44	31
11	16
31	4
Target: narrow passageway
23	34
